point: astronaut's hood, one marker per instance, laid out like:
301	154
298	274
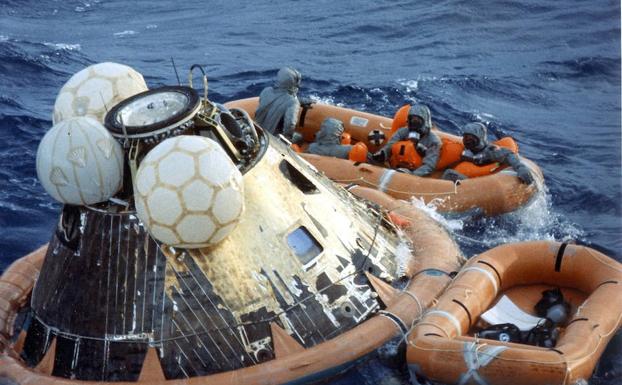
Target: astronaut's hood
479	130
288	79
330	131
424	113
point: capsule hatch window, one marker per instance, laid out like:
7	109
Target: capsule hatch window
304	245
299	180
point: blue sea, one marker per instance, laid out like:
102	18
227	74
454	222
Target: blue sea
544	72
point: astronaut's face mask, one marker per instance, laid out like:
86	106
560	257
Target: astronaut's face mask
414	136
471	142
415	123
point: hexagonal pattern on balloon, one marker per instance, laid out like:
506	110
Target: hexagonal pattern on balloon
166	214
148	180
189	186
176	168
164	234
79	162
198	189
197	229
228	204
95	90
213	166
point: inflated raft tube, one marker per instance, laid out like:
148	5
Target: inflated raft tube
441	347
428	268
498	193
493	194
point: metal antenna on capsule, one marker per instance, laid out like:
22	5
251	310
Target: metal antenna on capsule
176	73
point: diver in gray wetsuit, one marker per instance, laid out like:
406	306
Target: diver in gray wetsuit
427	143
480	152
278	106
328	140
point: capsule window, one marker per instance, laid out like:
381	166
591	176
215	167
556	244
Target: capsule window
303	183
304	245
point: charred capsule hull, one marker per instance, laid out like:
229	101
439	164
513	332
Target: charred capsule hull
282	298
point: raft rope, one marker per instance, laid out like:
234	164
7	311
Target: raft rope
417	301
486	273
388	189
401	325
565	360
475	359
452	318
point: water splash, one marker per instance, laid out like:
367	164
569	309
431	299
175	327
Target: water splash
325	100
410	85
476	233
451	224
535	221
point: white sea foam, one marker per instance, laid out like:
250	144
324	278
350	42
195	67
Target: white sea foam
125	33
325	100
403	254
535	221
64	46
484	117
450	224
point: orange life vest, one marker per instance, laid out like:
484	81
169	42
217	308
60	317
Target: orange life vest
358	153
472	170
405	155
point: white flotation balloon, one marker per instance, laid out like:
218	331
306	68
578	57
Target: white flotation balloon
95	90
79	162
188	192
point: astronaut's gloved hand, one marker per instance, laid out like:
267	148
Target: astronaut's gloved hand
297	138
378	157
453	175
524	175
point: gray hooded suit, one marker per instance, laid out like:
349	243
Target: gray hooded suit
328	140
429	144
486	153
278	106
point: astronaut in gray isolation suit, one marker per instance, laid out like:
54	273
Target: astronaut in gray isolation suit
278	106
328	140
480	152
427	143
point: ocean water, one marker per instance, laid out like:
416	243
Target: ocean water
545	72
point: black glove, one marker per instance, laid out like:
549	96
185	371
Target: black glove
524	175
305	101
453	175
297	138
378	157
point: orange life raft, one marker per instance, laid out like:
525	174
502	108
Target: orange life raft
494	194
435	251
442	347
